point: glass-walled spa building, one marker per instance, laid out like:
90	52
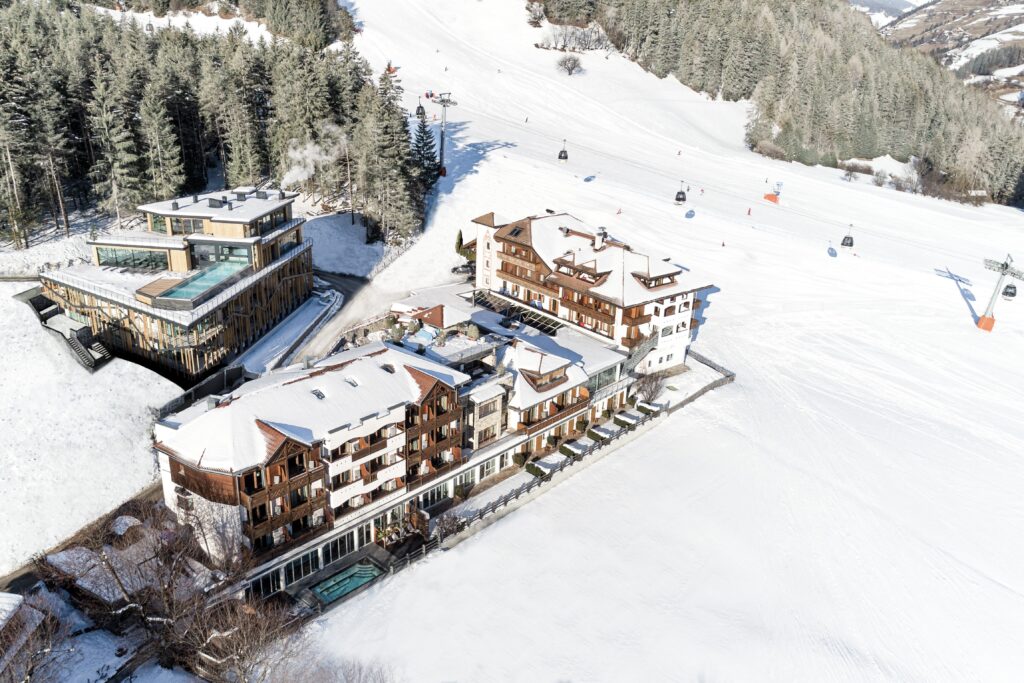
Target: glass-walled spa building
208	277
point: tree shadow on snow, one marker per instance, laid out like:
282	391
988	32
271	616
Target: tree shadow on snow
461	159
962	284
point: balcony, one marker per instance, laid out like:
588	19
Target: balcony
529	284
518	260
560	413
630	342
282	488
421	425
583	309
634	320
435	472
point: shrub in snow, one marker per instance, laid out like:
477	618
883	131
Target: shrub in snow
570	64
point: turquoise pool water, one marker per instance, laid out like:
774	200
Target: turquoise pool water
211	276
346	581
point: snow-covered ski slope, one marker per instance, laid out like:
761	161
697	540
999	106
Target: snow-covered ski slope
850	509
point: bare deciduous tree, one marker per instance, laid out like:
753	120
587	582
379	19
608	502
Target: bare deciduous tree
261	642
33	647
570	64
448	524
649	386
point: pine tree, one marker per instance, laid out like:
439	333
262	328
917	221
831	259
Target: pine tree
161	151
424	157
116	171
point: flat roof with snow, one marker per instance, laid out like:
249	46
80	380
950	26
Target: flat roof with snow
241	205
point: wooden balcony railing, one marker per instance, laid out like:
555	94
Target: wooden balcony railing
636	319
518	260
282	488
529	284
630	342
583	309
560	414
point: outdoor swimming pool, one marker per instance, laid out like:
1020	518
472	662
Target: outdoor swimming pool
346	581
210	277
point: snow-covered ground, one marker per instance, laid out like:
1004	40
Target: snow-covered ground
267	352
340	247
73	444
197	21
848	510
50	246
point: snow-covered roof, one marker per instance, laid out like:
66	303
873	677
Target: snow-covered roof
485	392
564	238
9	605
521	357
370	384
241	205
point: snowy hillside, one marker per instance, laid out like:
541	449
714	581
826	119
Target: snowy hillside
848	510
883	12
75	445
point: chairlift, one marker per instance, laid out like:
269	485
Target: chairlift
149	27
563	155
680	195
1009	292
421	113
848	240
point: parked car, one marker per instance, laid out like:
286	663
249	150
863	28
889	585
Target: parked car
464	269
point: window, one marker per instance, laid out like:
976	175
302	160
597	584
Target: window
488	468
266	585
132	258
186	226
505	461
489	408
668	358
364	535
681	327
434	496
657	310
338	548
660	360
666	331
486	435
671	310
301	567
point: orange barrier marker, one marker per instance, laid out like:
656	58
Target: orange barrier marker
773	198
986	322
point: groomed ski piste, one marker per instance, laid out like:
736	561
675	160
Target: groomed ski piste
848	510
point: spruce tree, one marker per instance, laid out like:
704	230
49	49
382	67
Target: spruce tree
115	174
424	157
161	151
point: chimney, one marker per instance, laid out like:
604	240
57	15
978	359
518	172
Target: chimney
174	205
229	206
223	199
564	230
195	199
599	239
280	194
211	402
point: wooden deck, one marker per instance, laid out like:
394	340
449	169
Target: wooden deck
147	293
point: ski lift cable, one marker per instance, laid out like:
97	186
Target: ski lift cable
719	189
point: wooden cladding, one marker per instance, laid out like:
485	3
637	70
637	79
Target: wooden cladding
213	486
204	344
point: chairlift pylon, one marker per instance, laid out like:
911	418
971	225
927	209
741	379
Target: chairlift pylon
563	155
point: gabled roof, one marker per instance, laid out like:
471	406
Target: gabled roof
617	269
349	394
